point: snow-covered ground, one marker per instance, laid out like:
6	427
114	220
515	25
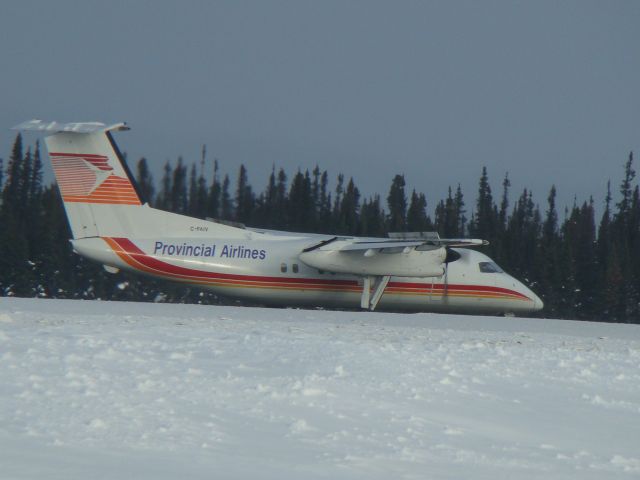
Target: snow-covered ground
126	390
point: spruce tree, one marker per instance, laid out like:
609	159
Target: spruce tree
586	262
281	201
417	220
226	203
164	198
623	228
523	233
265	209
459	213
300	208
397	202
315	189
36	177
335	213
244	197
15	270
613	308
504	203
193	192
446	221
179	195
215	190
372	218
634	248
485	218
349	210
604	253
11	191
549	252
626	190
145	181
25	183
324	209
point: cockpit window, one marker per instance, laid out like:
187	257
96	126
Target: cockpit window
489	267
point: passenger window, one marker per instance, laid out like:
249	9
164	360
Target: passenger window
283	267
294	267
489	267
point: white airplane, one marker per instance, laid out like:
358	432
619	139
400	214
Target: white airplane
111	224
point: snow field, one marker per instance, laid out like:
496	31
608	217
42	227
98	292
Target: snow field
119	390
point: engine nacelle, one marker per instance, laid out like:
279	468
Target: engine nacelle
411	263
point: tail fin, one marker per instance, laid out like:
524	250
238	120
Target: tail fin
91	174
101	197
97	177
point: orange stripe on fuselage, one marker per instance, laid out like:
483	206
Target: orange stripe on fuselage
139	260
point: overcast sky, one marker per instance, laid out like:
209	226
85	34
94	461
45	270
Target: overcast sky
547	91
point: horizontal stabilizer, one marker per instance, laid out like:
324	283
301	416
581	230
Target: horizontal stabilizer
75	127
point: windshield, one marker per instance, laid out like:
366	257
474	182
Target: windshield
489	267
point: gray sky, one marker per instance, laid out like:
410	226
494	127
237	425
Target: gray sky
547	91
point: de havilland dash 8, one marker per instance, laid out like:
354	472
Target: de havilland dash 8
111	224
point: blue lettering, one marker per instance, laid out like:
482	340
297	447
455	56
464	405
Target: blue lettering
202	250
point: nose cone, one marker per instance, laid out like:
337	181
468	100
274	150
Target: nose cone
534	303
537	303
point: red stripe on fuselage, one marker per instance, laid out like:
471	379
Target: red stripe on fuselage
152	264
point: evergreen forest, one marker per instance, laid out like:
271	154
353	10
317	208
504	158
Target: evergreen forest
582	267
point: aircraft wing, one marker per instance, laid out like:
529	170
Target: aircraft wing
337	244
368	245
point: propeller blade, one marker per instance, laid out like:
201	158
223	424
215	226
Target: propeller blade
452	256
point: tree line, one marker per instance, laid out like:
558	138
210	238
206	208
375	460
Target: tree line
581	267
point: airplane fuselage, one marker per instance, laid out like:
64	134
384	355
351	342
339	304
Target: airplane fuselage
268	271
